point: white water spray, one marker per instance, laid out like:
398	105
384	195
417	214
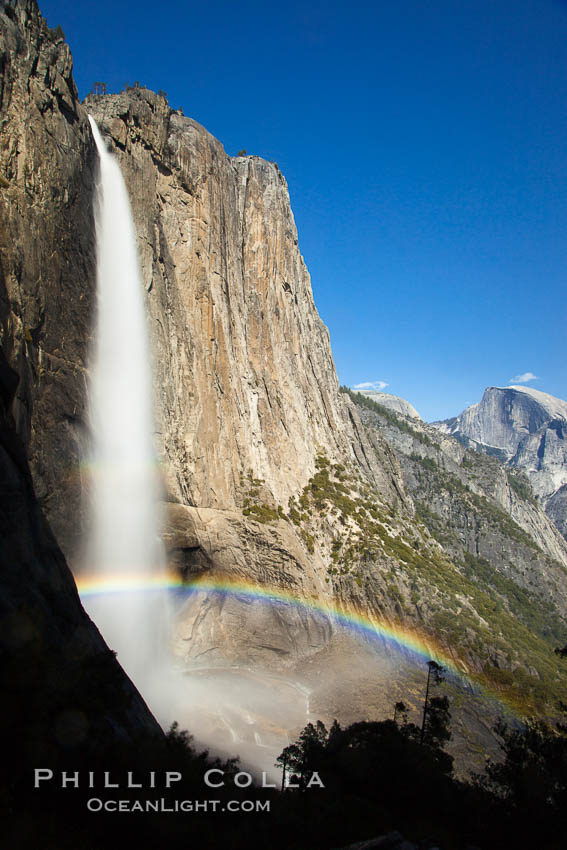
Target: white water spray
124	540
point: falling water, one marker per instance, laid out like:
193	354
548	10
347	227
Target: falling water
124	540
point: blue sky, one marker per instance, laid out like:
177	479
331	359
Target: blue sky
425	148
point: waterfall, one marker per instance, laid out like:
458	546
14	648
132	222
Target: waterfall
124	557
123	545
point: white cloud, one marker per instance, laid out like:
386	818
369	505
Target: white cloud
371	385
524	378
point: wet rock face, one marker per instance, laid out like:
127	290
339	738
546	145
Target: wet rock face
66	687
47	254
274	636
66	690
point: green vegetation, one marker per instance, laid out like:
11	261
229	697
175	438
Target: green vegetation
309	540
493	515
99	88
474	608
426	462
543	620
519	626
434	523
339	784
56	34
521	486
255	509
473	616
261	513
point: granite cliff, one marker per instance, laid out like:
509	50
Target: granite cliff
47	255
269	474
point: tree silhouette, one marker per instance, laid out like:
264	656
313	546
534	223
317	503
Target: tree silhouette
435	675
532	778
401	711
304	757
437	731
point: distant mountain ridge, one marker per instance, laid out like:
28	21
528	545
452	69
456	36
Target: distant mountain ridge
392	402
508	557
527	430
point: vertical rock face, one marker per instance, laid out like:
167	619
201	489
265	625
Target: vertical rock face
556	509
502	417
542	454
529	429
244	374
66	689
46	253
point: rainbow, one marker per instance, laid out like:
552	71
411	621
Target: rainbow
421	647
